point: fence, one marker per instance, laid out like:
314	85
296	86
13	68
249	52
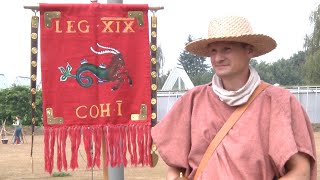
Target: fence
165	101
308	96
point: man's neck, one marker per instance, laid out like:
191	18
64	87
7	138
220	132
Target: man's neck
234	83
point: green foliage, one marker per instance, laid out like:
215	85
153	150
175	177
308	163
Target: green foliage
286	72
312	69
291	70
312	46
312	42
60	174
161	77
203	78
16	100
160	61
264	69
195	66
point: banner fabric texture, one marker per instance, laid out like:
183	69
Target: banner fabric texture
95	69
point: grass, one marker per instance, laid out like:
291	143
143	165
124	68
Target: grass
60	174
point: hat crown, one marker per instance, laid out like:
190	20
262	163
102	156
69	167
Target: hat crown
231	26
234	29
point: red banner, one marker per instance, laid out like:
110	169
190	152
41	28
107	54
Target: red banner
95	63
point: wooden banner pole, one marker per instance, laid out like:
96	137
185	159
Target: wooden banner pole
36	7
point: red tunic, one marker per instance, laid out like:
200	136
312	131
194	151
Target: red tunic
273	128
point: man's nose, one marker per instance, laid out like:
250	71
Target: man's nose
219	57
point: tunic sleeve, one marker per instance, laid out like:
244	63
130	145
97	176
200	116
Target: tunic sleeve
172	135
290	132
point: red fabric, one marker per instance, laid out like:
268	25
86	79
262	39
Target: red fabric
95	62
106	136
87	140
51	149
64	135
59	154
46	149
124	145
97	148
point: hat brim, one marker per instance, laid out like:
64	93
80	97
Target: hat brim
262	44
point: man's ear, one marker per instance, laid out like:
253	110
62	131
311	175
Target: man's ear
250	50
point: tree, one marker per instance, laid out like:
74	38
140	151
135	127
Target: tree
294	68
160	60
286	72
206	77
282	72
312	46
17	100
264	70
161	77
195	66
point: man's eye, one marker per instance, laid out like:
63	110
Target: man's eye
213	51
227	49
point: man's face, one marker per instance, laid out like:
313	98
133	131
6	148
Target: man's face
230	59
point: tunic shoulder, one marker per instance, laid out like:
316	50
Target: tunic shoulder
290	128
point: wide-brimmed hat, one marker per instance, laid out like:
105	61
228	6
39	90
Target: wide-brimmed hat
235	29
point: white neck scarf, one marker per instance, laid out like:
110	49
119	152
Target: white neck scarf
241	96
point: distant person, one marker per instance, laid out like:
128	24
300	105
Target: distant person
272	139
18	128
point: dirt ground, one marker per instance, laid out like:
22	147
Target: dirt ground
16	163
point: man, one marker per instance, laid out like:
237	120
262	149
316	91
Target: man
17	132
272	139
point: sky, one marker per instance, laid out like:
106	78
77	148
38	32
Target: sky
286	21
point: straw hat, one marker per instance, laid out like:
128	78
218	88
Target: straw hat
232	28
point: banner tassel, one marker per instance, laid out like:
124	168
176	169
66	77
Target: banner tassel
59	156
112	146
145	146
88	146
97	135
106	137
149	144
119	140
140	144
133	142
117	144
64	135
46	139
72	135
51	150
78	141
124	145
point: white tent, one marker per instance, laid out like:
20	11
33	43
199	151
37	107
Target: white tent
22	81
178	75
